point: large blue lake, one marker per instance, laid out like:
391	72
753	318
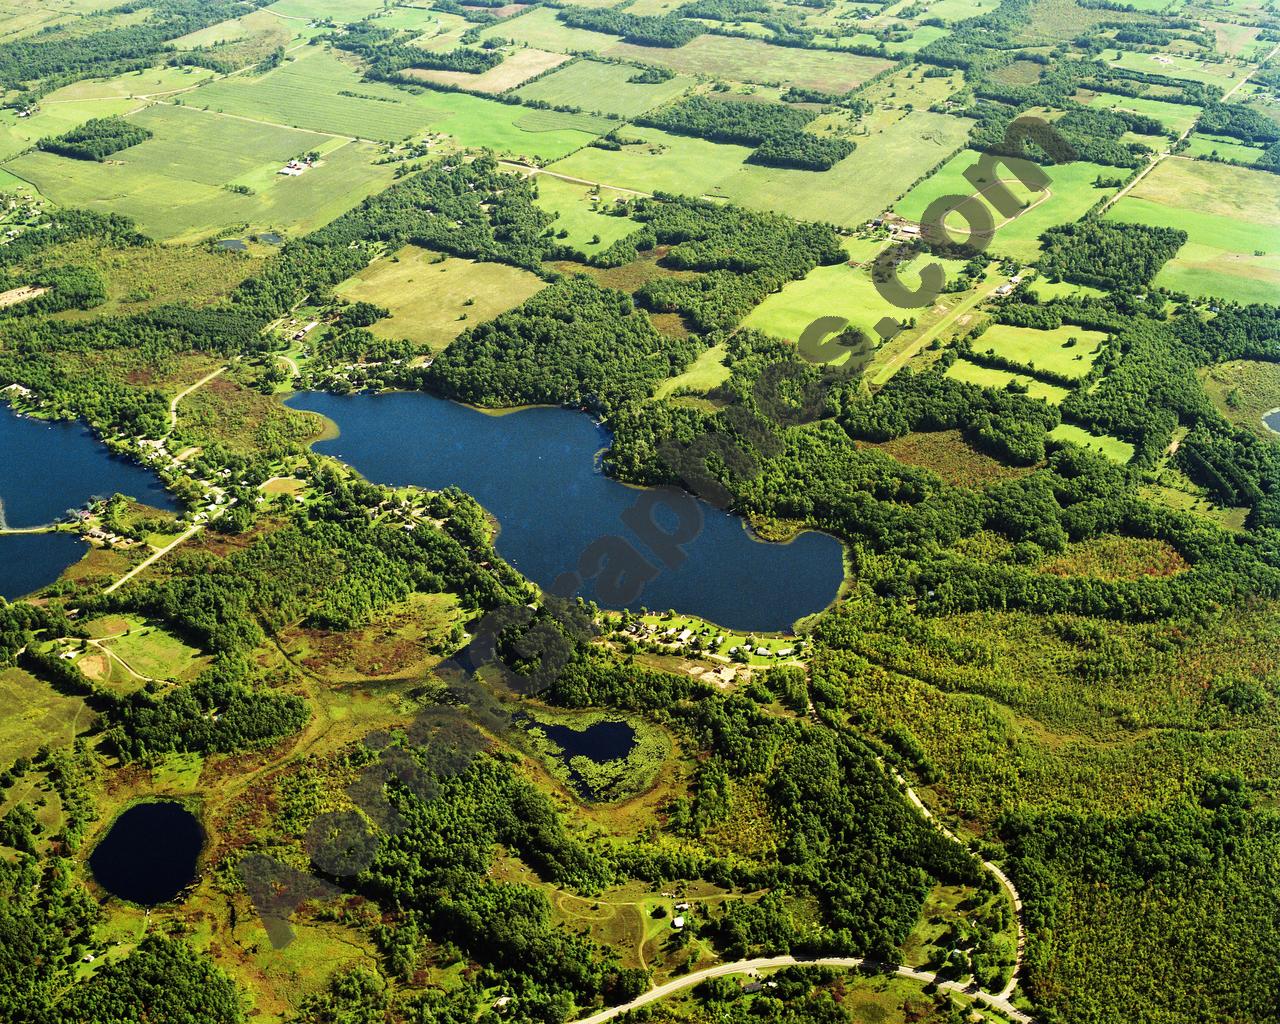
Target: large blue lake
45	469
536	471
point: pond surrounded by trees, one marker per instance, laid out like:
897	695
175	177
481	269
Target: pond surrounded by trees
47	468
149	855
535	470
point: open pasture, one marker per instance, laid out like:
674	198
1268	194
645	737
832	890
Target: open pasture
1111	447
1067	350
987	377
19	133
1232	219
540	27
341	11
595	85
433	302
1070	194
521	65
1225	149
35	715
1178	65
854	190
150	82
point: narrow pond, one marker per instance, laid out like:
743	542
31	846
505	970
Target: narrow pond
536	471
149	855
46	469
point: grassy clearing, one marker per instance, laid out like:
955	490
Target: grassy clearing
854	190
155	653
589	230
433	302
1066	350
1046	290
135	84
1176	117
1232	219
845	291
949	455
1177	66
595	85
1111	447
704	373
518	68
1071	192
1204	145
986	377
34	715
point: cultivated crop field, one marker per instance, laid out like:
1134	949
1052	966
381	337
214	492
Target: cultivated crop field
432	300
1232	219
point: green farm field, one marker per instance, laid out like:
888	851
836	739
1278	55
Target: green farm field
1050	350
1179	66
1070	194
174	184
988	377
588	229
306	93
18	134
854	190
1176	117
595	85
432	302
1204	145
1232	219
150	82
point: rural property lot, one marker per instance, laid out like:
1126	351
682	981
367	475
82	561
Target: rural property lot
1232	219
1068	351
989	377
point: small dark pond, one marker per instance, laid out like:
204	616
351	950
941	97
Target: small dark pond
235	244
604	741
149	856
271	238
1272	420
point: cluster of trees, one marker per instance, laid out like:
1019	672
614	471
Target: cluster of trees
574	343
1107	254
1238	121
96	139
777	131
668	30
386	57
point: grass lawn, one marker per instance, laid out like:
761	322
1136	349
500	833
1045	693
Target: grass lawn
854	190
428	300
595	85
986	377
1070	194
1112	447
1044	350
174	185
579	215
1232	219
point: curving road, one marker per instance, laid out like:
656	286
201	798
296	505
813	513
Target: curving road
1000	1002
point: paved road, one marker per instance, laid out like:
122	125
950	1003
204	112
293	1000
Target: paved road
1000	1003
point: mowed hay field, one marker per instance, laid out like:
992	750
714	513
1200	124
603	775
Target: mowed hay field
854	190
1069	195
432	302
174	184
1051	350
595	85
308	93
521	65
1230	215
589	229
